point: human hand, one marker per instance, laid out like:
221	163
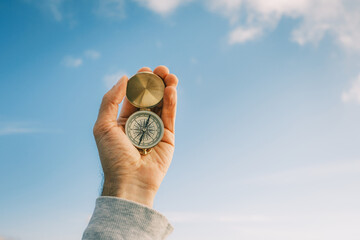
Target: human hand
127	173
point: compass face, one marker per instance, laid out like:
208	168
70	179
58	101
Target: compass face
144	129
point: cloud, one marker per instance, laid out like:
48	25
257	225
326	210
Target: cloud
339	19
116	8
228	8
192	217
60	10
352	94
241	35
16	130
111	79
111	8
54	7
317	18
8	238
194	61
92	54
163	7
73	62
19	128
11	128
307	173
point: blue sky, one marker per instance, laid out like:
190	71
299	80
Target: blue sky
267	129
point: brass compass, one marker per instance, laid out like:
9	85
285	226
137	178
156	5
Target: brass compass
145	128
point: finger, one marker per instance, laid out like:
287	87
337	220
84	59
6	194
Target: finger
145	69
161	71
169	108
171	80
111	100
158	108
127	109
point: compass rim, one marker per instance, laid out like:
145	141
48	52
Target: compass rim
162	129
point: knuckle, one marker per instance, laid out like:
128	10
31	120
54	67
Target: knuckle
171	80
171	100
174	79
169	136
96	129
99	129
106	97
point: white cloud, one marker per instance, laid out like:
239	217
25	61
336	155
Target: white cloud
111	8
159	44
162	7
8	238
241	35
205	217
92	54
337	18
54	8
194	61
11	128
111	79
74	62
352	94
70	61
57	9
228	8
307	173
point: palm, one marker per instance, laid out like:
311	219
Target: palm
118	151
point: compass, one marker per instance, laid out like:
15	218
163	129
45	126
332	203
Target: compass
144	128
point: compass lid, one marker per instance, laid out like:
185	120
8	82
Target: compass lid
145	90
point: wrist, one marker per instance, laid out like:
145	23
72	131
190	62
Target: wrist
130	191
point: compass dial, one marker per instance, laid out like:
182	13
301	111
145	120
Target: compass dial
144	129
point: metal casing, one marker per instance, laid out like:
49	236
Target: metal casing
145	90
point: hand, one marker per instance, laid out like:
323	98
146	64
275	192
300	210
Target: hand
127	173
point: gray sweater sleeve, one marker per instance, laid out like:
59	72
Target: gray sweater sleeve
120	219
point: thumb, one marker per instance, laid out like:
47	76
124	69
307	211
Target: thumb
110	103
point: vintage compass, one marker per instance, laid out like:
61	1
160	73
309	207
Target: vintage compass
144	128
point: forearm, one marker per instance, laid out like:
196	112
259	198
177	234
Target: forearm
120	219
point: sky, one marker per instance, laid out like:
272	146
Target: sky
267	128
